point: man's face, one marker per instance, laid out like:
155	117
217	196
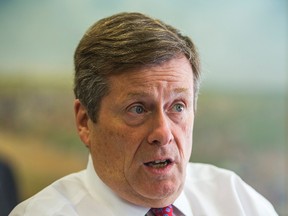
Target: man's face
142	140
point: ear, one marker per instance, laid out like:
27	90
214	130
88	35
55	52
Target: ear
82	120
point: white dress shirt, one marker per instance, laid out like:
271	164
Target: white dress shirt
208	190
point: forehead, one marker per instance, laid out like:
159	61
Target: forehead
176	73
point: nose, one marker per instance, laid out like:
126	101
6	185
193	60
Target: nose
160	133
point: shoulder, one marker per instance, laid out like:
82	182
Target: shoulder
211	178
223	190
207	175
58	198
201	173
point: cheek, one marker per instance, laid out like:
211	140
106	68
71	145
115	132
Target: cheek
132	148
107	150
188	127
115	146
186	135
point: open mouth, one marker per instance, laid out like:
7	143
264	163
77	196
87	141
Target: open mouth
158	163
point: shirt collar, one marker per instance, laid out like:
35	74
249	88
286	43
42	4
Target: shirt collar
182	204
98	189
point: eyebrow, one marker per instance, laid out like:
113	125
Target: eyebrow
180	90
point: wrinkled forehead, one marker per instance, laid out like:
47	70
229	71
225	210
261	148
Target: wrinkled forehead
176	66
175	75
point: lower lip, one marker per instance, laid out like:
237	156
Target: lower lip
159	171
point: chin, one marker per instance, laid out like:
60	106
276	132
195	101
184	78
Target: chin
163	191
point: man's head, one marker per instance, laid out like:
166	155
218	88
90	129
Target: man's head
136	82
121	43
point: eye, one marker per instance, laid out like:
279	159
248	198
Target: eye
137	109
179	107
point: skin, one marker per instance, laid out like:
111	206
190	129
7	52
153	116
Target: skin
147	116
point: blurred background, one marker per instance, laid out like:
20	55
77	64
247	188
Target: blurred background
241	122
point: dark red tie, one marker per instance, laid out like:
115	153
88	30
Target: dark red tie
166	211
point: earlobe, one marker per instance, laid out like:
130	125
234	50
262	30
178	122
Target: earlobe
82	125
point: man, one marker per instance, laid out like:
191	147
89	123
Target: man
136	86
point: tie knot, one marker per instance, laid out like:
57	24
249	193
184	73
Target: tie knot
166	211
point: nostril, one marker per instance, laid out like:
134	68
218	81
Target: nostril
155	142
159	142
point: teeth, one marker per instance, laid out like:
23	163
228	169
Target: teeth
158	163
